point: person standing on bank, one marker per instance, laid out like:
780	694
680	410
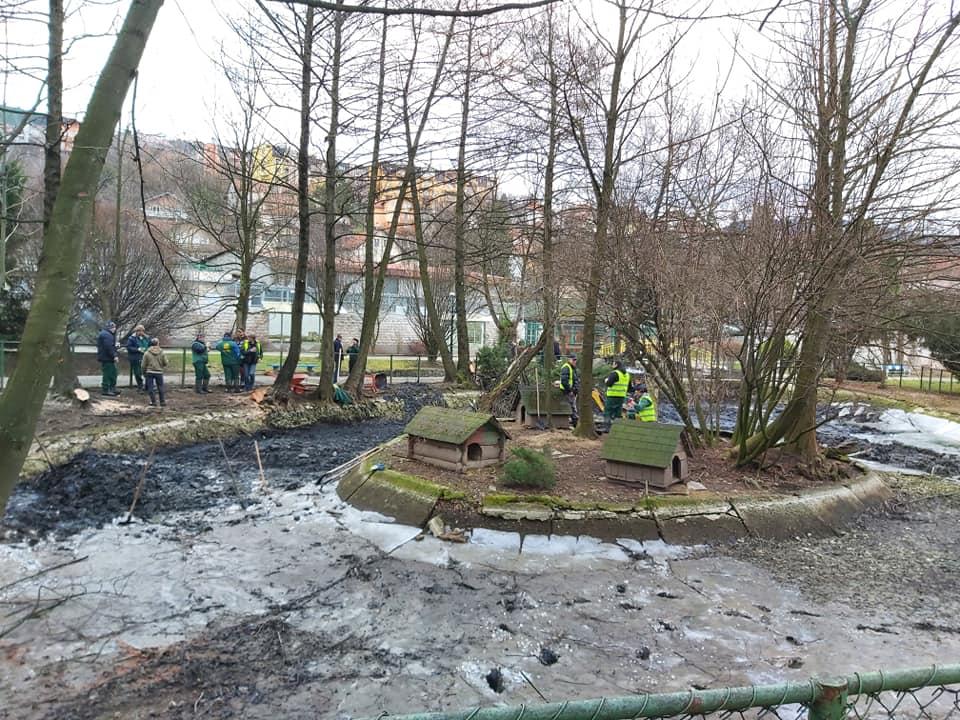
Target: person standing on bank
107	357
252	352
137	343
617	382
230	359
570	384
337	357
154	361
353	352
200	357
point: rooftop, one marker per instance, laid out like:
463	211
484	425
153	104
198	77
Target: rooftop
642	443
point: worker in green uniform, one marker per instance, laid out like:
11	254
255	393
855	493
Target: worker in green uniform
570	385
200	357
646	405
617	384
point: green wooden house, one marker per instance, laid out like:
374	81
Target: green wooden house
456	439
537	403
645	453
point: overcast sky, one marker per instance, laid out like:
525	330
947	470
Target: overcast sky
181	87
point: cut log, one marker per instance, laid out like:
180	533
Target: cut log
81	397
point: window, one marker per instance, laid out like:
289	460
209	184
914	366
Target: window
533	332
475	331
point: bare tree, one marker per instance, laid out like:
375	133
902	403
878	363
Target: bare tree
70	219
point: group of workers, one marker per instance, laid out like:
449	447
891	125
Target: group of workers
623	396
239	353
146	358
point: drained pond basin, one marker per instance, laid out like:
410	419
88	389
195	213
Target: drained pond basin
228	597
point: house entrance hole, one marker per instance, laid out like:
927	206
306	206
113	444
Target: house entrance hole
474	452
677	465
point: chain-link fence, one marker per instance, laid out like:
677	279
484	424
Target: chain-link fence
931	692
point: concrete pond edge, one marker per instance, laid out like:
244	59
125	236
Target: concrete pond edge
140	435
819	512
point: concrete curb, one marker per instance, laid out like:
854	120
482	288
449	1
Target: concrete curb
818	512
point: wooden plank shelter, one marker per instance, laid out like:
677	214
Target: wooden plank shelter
645	453
532	408
456	439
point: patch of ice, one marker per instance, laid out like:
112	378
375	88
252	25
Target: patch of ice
497	539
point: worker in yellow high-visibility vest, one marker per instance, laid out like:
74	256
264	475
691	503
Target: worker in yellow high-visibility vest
646	405
618	383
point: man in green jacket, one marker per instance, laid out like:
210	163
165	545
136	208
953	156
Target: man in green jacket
200	356
230	357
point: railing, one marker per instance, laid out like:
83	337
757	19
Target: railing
930	692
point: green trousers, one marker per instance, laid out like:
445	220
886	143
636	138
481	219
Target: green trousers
135	366
231	375
109	371
201	372
613	408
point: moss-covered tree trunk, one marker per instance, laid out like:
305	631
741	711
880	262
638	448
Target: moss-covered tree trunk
70	220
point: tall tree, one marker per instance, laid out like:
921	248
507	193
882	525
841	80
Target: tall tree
874	97
70	219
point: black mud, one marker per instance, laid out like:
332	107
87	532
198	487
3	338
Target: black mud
95	489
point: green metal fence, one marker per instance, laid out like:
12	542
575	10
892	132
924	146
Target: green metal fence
930	692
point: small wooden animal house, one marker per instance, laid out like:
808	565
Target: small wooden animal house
456	439
535	405
645	453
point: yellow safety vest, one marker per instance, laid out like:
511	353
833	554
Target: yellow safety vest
619	388
573	374
648	414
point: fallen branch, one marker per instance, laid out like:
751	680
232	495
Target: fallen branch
233	477
43	572
139	489
263	479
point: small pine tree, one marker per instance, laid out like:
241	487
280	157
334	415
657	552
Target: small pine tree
530	469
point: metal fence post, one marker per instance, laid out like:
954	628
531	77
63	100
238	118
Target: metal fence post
831	702
183	367
940	383
3	363
391	369
921	378
418	370
901	376
130	381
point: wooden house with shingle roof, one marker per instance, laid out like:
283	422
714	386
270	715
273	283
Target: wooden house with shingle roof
645	453
456	439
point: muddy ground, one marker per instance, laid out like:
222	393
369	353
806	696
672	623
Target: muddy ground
291	604
305	608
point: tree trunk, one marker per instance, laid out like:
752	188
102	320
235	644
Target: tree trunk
355	380
513	372
72	213
436	324
281	385
328	362
460	224
549	291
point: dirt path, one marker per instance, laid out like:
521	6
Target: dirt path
302	607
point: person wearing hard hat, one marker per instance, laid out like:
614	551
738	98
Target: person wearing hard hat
618	383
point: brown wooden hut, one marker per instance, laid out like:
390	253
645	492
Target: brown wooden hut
456	439
645	453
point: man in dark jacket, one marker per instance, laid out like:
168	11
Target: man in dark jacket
252	352
137	343
570	384
107	357
353	352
